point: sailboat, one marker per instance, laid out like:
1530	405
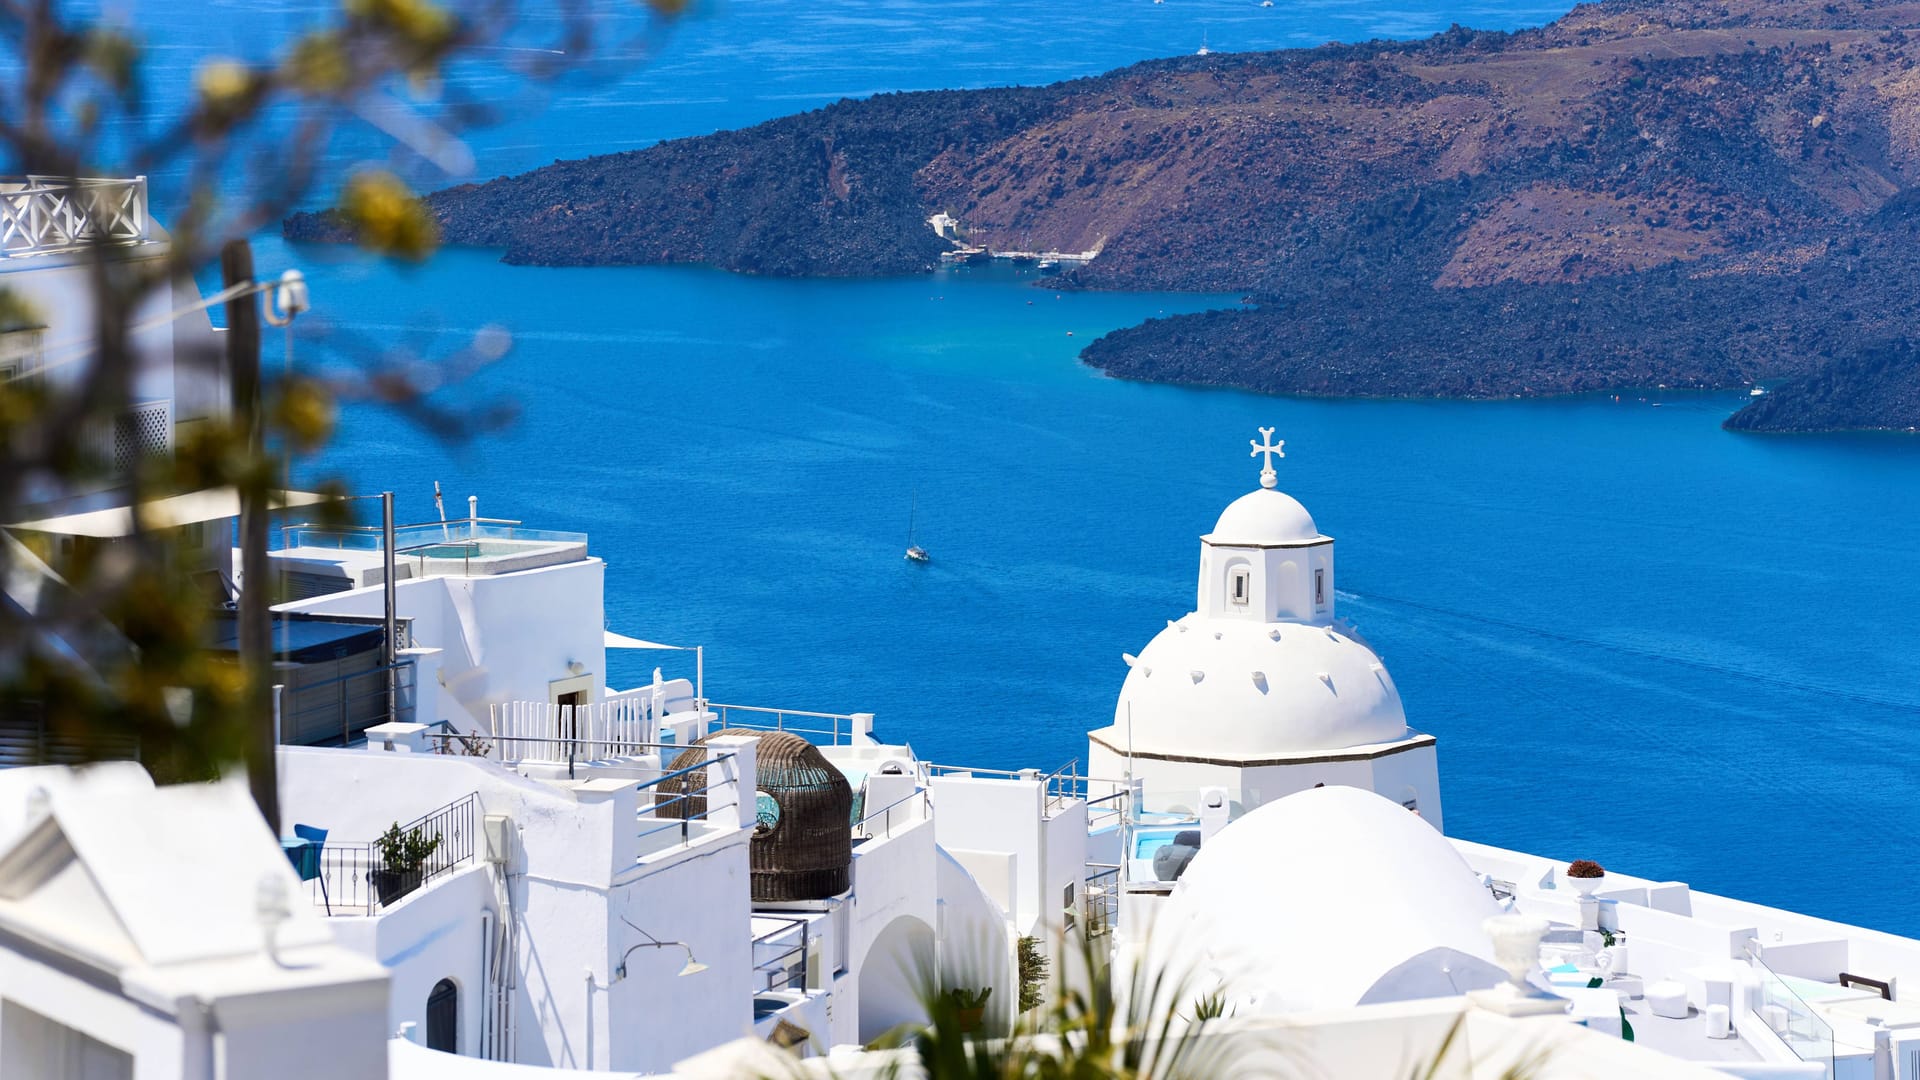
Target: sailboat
915	553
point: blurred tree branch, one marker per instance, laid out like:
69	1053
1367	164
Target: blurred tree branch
106	643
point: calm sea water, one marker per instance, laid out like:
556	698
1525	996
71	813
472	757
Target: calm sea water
1685	653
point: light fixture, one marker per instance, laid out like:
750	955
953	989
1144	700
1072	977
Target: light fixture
692	966
289	298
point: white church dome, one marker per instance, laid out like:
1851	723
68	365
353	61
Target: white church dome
1329	898
1246	691
1264	518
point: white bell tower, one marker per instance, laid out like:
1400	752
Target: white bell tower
1266	561
1261	690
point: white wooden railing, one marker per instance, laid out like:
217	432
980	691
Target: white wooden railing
43	214
624	725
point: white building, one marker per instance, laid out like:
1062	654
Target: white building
585	887
48	232
161	933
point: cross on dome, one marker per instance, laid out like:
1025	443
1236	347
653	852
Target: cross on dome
1268	478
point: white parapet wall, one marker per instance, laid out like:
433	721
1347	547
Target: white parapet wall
503	637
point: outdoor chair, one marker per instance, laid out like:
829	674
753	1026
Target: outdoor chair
310	860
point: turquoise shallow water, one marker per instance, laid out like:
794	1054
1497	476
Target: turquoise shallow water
1640	639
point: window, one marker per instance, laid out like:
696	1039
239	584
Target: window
1239	584
443	1017
766	814
1320	588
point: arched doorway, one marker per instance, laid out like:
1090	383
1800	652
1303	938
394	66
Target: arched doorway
443	1017
897	964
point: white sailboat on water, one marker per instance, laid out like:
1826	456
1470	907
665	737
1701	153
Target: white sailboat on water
915	553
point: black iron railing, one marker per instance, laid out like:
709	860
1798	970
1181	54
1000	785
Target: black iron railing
356	879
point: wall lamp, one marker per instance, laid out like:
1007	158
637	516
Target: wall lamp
693	967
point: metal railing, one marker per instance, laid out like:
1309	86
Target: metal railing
357	700
784	966
687	806
838	730
864	828
44	214
419	536
1061	787
453	742
1113	805
1100	898
355	878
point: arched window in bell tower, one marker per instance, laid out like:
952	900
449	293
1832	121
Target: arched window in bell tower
1240	586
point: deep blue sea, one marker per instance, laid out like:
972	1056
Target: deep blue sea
1685	653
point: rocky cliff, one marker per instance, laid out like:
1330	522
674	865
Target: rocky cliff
1686	193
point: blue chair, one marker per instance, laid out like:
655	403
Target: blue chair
309	862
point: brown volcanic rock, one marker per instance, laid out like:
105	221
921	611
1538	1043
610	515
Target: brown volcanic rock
1678	192
1877	387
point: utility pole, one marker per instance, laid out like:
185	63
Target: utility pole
390	651
256	620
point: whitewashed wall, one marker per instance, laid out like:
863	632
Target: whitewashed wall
504	637
893	914
576	887
1175	785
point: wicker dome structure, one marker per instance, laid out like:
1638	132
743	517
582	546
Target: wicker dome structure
802	847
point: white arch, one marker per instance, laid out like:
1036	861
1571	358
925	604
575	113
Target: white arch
898	970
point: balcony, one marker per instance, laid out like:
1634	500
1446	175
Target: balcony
45	215
353	878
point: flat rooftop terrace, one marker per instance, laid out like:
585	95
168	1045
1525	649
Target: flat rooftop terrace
473	547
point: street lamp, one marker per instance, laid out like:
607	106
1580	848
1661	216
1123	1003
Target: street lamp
692	967
286	300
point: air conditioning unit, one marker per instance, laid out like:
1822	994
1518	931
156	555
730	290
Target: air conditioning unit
143	431
500	833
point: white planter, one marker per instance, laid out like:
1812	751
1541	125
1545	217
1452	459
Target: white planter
1613	960
1585	886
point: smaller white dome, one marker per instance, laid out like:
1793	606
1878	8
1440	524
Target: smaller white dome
1327	899
1264	518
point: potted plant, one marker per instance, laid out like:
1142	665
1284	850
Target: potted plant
402	854
970	1007
1585	876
